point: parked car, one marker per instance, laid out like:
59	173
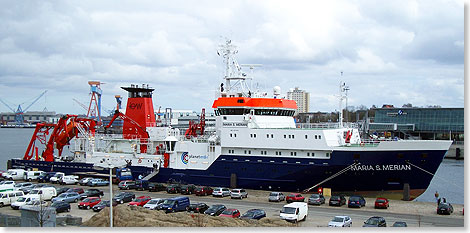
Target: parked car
61	206
231	213
18	186
67	197
400	224
356	201
124	197
337	200
84	181
276	196
34	203
238	193
28	189
45	177
141	184
203	191
44	193
56	177
445	208
153	203
77	190
22	201
188	189
221	192
173	188
316	199
62	190
340	221
9	197
98	182
127	184
294	212
32	175
174	204
89	202
215	210
91	193
197	208
295	197
381	203
14	174
68	180
155	187
254	214
7	185
103	203
140	201
375	222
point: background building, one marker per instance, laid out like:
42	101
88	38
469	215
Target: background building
302	98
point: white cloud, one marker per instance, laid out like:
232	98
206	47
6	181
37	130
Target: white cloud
392	52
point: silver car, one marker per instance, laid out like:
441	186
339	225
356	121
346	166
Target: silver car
221	192
276	196
238	193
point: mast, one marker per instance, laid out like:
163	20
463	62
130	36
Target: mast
343	94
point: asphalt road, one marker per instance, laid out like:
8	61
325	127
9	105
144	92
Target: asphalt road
317	216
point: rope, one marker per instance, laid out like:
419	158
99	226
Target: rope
434	175
331	177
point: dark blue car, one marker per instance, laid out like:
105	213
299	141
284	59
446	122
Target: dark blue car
254	214
356	201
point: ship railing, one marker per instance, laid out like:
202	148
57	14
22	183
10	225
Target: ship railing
326	125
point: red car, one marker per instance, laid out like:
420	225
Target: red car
203	191
77	190
231	213
140	201
381	203
89	202
294	197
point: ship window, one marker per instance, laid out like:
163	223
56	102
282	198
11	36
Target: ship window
230	135
328	155
285	136
316	136
319	136
272	135
293	136
306	137
245	151
290	136
249	152
241	101
313	154
295	153
308	153
424	155
267	135
357	156
277	153
235	135
254	135
280	153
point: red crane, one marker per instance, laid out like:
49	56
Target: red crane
140	132
196	129
66	129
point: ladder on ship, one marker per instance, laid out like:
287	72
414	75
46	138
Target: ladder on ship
151	175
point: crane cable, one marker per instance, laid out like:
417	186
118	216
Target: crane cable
434	175
333	176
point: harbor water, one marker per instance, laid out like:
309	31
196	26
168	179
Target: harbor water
448	180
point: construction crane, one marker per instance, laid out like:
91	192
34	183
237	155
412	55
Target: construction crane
19	118
94	109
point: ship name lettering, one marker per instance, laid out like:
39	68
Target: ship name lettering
390	167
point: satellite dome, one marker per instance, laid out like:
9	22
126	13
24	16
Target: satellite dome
277	90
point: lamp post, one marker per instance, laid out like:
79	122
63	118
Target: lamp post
110	163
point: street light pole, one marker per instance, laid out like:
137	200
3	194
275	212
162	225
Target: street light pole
110	197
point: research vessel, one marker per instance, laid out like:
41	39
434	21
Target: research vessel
255	144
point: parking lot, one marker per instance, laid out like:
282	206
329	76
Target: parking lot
415	214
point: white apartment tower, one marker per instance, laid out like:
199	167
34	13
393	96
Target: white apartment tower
302	98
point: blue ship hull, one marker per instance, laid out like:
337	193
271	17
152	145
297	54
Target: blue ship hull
375	172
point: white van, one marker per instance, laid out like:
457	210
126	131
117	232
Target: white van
294	212
32	175
7	185
56	177
14	174
43	193
70	179
22	201
8	197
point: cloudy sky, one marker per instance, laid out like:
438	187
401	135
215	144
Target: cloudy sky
391	52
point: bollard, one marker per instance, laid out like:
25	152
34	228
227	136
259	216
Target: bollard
406	192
